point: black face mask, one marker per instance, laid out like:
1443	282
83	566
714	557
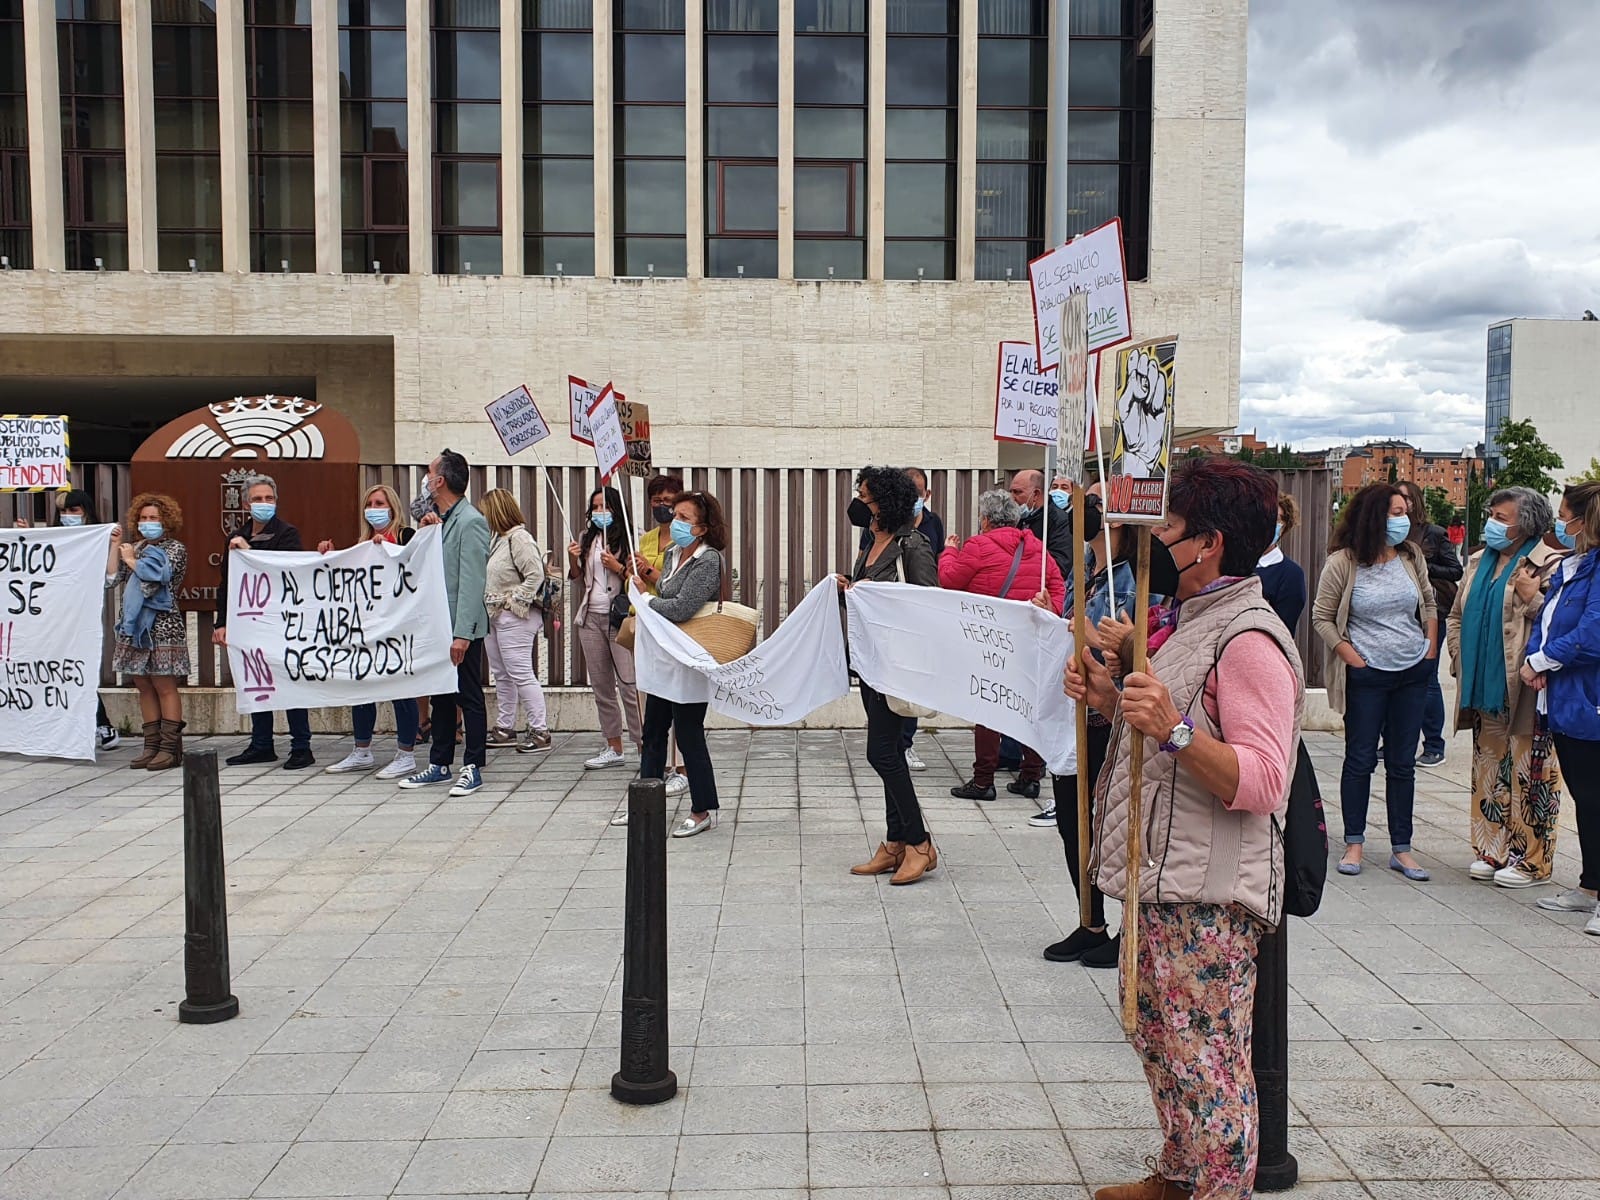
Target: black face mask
1164	571
859	514
662	513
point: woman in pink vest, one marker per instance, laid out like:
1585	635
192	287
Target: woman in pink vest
1211	874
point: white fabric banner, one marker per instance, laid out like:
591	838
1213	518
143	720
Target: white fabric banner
793	673
309	630
994	662
52	593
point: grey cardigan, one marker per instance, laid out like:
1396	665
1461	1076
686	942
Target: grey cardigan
685	592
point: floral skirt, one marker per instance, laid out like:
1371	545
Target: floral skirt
168	653
1516	794
1197	986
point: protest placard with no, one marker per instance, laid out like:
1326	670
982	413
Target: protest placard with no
516	418
1146	387
35	454
1092	264
51	596
351	627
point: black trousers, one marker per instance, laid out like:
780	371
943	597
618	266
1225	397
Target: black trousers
1066	794
886	755
468	697
299	729
661	716
1580	772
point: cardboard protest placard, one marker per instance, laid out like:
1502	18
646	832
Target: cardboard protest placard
1077	401
1141	447
35	454
1026	407
1091	263
51	596
605	428
581	397
516	418
351	627
635	418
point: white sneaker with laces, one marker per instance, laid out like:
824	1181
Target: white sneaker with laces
914	760
1481	870
405	762
1514	876
677	784
359	759
1570	900
107	737
606	758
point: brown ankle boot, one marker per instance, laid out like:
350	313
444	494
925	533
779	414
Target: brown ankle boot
885	860
919	860
152	745
1155	1187
171	754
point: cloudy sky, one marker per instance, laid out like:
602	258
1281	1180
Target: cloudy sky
1417	169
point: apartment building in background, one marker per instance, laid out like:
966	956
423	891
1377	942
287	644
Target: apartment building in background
1545	371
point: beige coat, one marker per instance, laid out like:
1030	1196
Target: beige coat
1516	627
1196	849
514	575
1330	611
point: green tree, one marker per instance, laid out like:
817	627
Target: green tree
1394	473
1592	475
1528	458
1440	510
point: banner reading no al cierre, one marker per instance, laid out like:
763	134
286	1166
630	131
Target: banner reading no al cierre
311	630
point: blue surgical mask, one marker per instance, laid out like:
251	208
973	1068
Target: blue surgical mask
682	533
71	519
916	509
1399	529
1566	538
378	518
1059	498
264	512
1024	511
600	520
150	531
1496	534
1277	533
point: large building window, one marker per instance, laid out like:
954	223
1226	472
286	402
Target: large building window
373	180
558	137
466	137
919	183
1108	89
1013	114
650	185
283	218
183	39
830	139
94	169
16	240
741	74
1496	395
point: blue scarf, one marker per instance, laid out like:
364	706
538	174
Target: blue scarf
1483	635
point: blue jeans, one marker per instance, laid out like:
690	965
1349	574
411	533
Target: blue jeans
364	719
299	729
1387	704
1433	707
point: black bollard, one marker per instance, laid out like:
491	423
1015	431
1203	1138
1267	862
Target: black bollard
644	1077
205	910
1276	1169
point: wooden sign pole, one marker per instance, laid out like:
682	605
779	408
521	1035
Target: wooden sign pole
1080	644
1130	906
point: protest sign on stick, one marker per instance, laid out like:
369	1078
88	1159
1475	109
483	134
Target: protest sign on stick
1025	402
35	454
605	430
351	627
1092	264
635	418
581	397
51	593
516	418
1141	447
1072	440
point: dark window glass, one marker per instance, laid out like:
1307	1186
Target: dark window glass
830	133
921	197
1012	134
467	128
641	256
741	70
650	68
466	136
748	258
372	63
919	260
558	139
923	16
742	16
651	196
1020	18
93	167
466	66
830	16
920	133
469	194
921	71
742	197
560	129
559	195
1101	18
828	200
649	184
558	255
91	124
375	125
183	40
742	132
830	70
558	66
1098	76
1010	197
650	131
466	14
557	14
832	258
281	63
468	254
1006	260
283	217
1013	72
651	14
185	60
1099	135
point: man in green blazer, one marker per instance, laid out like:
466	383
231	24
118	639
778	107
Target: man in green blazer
465	544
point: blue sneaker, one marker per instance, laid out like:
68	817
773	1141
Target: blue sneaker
431	774
469	781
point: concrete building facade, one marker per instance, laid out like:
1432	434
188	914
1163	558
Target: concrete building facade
1545	371
797	229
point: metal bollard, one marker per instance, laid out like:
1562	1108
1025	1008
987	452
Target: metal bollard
644	1077
1276	1168
205	911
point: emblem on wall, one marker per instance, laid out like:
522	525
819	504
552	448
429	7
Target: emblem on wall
253	427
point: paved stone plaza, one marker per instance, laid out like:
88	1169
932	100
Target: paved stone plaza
430	994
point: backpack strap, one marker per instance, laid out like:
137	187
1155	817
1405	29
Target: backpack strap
1016	564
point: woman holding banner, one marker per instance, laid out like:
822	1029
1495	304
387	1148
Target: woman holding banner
689	579
152	647
513	581
885	503
662	492
1217	715
382	523
598	559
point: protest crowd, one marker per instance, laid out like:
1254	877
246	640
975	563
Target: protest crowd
1209	708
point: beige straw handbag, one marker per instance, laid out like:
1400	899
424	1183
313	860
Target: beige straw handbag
725	630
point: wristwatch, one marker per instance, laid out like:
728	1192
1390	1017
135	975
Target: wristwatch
1180	737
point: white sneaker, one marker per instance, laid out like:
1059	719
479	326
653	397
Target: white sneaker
677	785
1571	900
606	758
1481	870
914	760
107	737
620	817
1515	877
359	759
1593	927
405	762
